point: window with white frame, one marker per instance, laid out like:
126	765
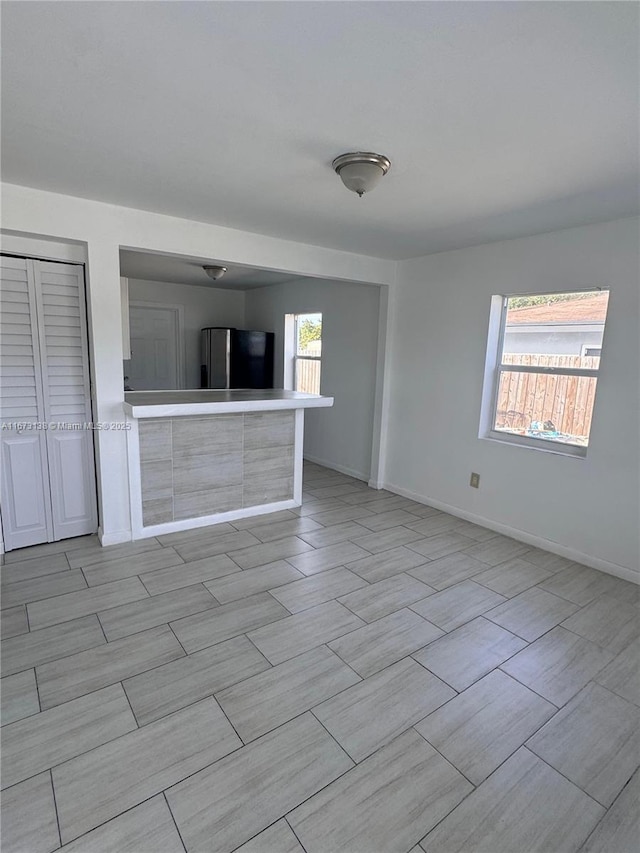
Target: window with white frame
303	352
541	373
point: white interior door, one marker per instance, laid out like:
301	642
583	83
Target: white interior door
154	363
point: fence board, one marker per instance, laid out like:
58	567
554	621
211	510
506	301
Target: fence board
566	401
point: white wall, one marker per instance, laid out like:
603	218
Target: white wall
341	436
104	229
202	306
583	507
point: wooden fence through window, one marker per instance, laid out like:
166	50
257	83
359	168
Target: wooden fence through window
308	376
566	401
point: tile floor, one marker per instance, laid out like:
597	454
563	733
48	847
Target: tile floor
364	674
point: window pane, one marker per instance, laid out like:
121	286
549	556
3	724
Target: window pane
552	329
307	376
309	334
556	408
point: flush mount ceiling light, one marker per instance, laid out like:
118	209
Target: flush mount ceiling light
361	171
215	272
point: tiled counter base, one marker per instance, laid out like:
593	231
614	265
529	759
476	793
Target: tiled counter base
198	466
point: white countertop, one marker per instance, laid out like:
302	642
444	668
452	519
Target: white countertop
172	404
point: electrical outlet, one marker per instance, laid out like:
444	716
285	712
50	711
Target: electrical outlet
474	482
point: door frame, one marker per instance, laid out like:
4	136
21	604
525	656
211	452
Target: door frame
178	312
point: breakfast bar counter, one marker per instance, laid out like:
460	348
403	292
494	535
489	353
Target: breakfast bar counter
203	457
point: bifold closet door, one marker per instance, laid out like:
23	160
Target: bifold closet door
48	345
64	352
26	502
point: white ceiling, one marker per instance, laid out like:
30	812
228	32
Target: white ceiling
181	270
501	118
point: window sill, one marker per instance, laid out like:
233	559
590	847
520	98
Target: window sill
541	444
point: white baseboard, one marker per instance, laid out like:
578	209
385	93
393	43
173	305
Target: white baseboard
118	537
342	469
522	535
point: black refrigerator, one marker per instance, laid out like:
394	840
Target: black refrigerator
236	358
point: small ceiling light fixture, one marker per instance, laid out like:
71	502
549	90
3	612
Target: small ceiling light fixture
215	272
361	171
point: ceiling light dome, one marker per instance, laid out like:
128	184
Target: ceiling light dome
215	272
361	171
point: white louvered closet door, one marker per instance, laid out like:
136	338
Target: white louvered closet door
58	341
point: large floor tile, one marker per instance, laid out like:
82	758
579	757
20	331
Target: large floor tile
385	540
546	560
269	531
558	665
127	567
77	543
593	741
619	829
457	604
210	531
512	577
213	626
311	591
212	546
289	637
261	703
40	742
441	545
469	652
14	621
252	581
334	534
524	807
482	726
63	608
229	802
81	558
29	823
446	571
497	550
182	682
385	597
35	589
386	564
339	491
579	584
329	557
388	802
622	675
378	709
434	524
19	694
156	610
532	613
147	828
338	515
315	506
106	781
384	520
84	672
269	552
188	574
37	567
473	531
47	644
385	641
607	622
277	839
